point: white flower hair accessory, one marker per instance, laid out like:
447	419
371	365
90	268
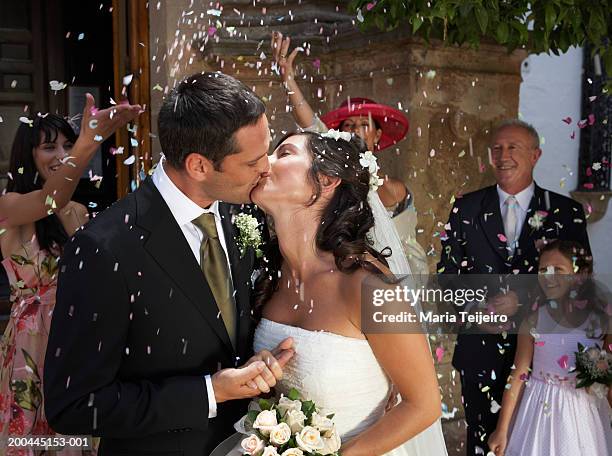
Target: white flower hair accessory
335	134
368	160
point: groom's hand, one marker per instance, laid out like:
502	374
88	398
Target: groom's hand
231	384
274	361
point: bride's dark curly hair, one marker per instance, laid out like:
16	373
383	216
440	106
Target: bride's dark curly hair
344	221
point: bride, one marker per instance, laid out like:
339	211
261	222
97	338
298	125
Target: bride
319	197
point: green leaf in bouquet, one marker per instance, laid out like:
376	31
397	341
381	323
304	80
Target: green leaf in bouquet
580	347
293	395
308	407
265	404
252	415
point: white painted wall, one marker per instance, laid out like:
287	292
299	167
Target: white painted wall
551	92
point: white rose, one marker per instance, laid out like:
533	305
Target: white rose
295	419
270	451
332	443
309	439
321	423
280	434
285	404
265	421
253	445
293	452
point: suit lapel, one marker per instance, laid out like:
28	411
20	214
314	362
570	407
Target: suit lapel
241	269
491	222
168	247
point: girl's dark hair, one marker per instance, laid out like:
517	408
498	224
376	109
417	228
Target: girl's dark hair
587	291
345	220
573	251
50	232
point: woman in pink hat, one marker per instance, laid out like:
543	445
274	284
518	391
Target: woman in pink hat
380	126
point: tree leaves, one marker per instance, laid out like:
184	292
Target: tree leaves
502	33
555	24
550	16
482	17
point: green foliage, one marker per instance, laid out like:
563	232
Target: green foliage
308	408
557	24
265	404
294	394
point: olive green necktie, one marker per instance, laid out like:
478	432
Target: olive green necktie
214	265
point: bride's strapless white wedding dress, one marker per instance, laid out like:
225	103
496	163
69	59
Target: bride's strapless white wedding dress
342	376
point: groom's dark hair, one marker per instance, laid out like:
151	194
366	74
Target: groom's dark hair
202	114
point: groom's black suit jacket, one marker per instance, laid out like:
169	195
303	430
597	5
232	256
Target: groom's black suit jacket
136	328
473	246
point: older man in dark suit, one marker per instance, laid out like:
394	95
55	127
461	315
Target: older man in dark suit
494	231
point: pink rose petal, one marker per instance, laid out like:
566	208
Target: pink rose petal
563	361
591	119
439	353
567	120
502	238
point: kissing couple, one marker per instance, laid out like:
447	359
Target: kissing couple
178	304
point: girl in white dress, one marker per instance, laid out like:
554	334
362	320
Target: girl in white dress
553	417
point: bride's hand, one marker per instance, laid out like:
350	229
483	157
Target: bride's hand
284	62
274	361
498	442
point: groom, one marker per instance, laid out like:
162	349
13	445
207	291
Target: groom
152	331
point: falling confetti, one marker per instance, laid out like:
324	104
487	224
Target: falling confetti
57	85
563	361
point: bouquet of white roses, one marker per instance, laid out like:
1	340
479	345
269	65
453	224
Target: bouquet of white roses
288	427
593	366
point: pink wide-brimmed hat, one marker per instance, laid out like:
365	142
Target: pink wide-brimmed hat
393	123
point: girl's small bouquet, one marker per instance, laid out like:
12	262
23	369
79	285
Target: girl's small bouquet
593	368
288	427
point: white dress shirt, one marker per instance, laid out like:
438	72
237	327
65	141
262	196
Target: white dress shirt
523	199
184	211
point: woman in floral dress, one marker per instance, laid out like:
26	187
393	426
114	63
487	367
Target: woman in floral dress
37	217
